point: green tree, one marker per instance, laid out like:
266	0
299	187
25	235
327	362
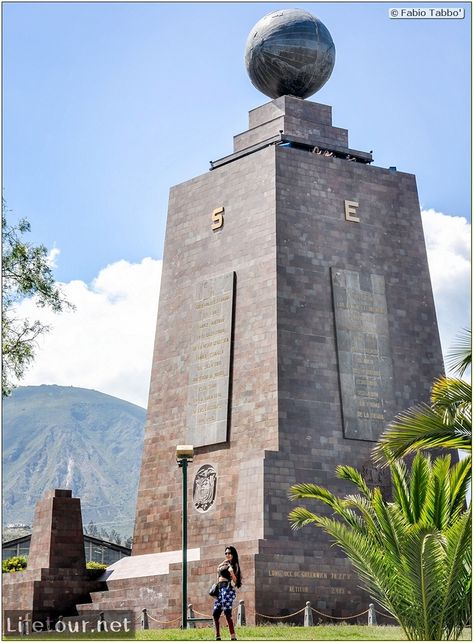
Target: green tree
91	529
412	554
445	423
104	534
26	273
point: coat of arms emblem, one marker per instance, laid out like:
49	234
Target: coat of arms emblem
204	488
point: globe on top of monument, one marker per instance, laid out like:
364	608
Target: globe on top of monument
289	52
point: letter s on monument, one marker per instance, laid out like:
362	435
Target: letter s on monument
217	218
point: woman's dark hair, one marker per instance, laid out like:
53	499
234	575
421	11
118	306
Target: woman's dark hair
235	564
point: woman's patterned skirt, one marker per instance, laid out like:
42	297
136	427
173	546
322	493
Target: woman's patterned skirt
225	598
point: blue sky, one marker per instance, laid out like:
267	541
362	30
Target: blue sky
106	105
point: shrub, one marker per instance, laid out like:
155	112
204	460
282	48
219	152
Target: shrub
94	570
14	564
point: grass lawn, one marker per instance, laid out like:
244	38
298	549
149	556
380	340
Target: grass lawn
281	633
260	633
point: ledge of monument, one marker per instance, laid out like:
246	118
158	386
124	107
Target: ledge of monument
61	573
47	573
306	143
58	493
21	577
146	564
291	106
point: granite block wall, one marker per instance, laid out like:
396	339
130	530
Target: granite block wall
194	252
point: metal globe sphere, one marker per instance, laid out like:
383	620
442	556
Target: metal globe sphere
289	52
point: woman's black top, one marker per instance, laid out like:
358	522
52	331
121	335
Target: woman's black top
224	571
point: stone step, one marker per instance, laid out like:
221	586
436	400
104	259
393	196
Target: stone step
112	594
147	595
148	565
118	603
143	581
121	598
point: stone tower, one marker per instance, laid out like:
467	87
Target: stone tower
296	317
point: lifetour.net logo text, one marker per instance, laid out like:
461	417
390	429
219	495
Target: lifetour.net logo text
19	623
439	13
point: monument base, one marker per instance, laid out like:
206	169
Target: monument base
153	582
275	584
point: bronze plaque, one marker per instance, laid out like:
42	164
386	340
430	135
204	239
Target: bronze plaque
364	354
209	371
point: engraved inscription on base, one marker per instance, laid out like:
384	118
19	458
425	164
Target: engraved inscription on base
209	370
364	354
204	488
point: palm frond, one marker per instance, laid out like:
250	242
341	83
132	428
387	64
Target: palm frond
436	510
314	492
452	399
450	391
455	609
421	428
300	517
422	555
460	355
351	474
368	518
401	489
375	570
385	520
459	482
419	481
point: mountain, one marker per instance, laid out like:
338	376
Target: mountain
72	438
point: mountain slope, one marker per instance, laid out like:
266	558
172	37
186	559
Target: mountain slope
73	438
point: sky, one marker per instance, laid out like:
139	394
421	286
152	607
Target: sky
107	105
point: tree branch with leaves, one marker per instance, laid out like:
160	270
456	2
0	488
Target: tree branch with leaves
26	273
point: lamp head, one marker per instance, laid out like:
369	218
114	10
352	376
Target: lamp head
184	452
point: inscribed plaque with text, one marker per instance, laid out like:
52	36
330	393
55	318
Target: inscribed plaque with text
364	354
209	371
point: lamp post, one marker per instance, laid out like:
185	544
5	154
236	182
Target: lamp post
184	455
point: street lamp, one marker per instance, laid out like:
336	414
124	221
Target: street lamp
184	455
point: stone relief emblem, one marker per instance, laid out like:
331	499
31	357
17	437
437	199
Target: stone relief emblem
204	488
375	476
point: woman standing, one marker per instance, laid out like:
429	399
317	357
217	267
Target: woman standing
229	577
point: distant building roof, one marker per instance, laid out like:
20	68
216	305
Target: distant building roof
126	551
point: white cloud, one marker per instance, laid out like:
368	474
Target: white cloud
51	258
107	342
448	243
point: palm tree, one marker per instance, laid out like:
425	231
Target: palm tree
413	554
445	423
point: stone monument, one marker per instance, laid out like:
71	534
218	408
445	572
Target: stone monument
56	577
296	317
